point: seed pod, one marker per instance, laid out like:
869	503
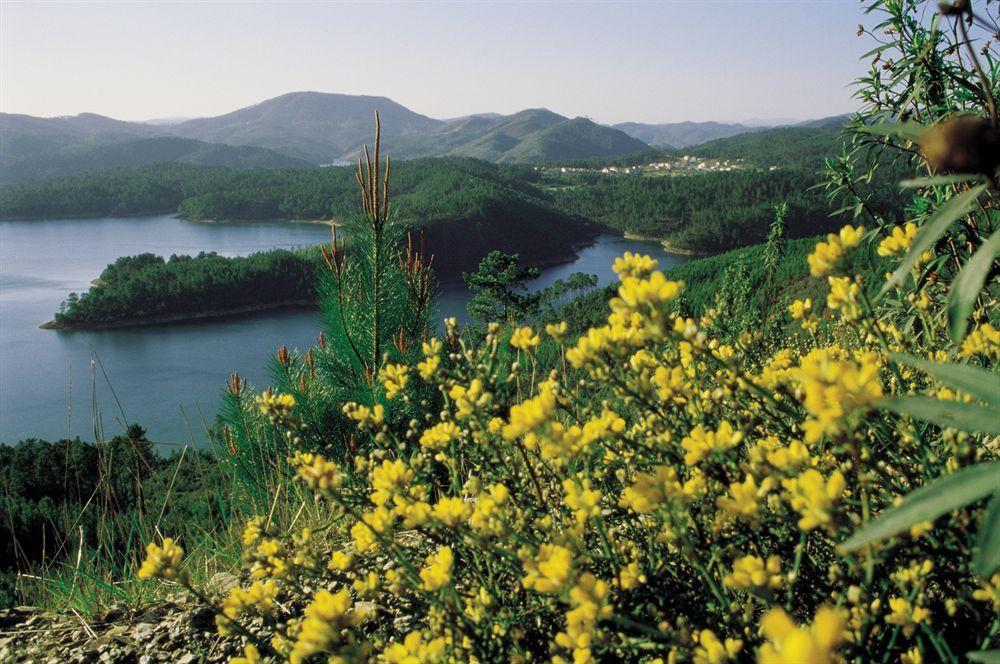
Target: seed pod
965	144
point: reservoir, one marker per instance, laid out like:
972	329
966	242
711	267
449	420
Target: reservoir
55	384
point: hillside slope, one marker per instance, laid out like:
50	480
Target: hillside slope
79	158
682	134
315	126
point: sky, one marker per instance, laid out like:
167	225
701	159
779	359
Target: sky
664	61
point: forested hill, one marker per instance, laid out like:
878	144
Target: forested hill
479	201
465	207
86	158
806	145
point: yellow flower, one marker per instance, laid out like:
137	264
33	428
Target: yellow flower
428	367
699	444
452	512
550	571
989	591
827	255
394	377
844	293
834	388
365	416
325	617
637	294
390	479
340	561
250	656
365	532
530	415
582	499
318	473
650	490
671	383
276	406
414	650
162	562
752	573
255	529
813	497
800	308
524	339
432	347
487	513
588	600
259	598
899	241
439	435
437	569
468	399
634	265
557	331
711	650
906	614
790	644
744	497
984	340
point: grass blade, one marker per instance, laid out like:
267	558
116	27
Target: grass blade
954	208
927	503
987	558
962	416
982	384
968	285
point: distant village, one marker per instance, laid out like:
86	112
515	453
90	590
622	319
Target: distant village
679	165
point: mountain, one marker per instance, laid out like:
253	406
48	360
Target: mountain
318	128
28	136
315	126
77	158
801	146
682	134
532	135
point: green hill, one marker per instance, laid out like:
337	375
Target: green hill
85	158
682	134
318	127
798	147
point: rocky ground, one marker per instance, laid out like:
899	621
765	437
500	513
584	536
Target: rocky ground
178	629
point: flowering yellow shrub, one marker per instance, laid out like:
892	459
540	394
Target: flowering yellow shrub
665	496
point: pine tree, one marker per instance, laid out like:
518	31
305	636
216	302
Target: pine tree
376	294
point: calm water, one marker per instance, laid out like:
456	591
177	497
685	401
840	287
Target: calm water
167	378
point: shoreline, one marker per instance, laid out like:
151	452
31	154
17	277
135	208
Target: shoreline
193	317
667	247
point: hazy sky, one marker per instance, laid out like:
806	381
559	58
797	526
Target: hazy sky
647	61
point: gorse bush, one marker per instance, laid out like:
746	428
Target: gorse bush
665	488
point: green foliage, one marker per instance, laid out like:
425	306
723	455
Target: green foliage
376	299
499	289
707	212
71	498
147	287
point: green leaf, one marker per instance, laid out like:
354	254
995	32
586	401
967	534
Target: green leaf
910	131
987	558
937	180
927	503
945	216
963	416
982	384
968	285
987	656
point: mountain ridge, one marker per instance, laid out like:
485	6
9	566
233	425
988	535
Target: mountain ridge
320	128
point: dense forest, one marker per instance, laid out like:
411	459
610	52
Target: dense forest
146	287
125	483
703	212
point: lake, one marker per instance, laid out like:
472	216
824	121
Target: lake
167	378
